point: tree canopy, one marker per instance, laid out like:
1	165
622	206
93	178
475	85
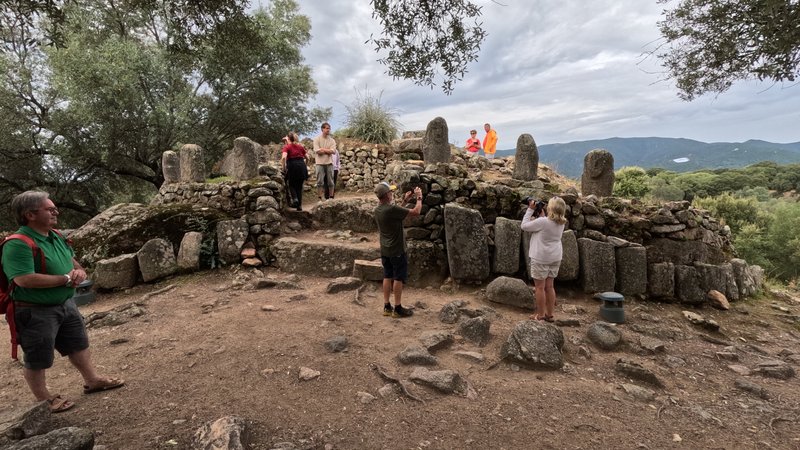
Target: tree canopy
90	109
710	44
428	39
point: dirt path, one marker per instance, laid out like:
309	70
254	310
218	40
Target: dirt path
204	350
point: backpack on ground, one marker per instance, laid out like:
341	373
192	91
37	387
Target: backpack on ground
6	288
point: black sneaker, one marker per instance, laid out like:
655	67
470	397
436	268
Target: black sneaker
399	312
387	309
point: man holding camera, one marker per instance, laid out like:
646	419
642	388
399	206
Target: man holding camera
43	275
393	245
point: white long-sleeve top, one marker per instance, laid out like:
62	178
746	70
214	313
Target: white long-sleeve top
545	245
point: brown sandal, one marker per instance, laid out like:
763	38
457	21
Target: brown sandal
59	404
104	385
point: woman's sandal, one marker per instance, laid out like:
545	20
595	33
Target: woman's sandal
58	404
548	319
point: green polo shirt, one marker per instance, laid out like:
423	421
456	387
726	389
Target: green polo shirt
18	260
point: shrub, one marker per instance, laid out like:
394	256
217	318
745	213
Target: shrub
631	182
370	120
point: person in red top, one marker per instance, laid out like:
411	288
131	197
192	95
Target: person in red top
473	143
293	162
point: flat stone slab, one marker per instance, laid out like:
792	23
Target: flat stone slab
323	259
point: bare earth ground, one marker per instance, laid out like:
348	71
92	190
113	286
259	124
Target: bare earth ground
186	364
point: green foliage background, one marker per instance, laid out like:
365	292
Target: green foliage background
88	115
759	203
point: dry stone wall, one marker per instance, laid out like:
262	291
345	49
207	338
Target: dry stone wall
670	251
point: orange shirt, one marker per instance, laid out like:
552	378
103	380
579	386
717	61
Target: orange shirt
490	142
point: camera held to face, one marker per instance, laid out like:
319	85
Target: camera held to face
538	206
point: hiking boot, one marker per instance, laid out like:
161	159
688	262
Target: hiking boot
399	312
387	309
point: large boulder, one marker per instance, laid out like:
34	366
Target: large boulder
467	244
70	438
534	344
231	236
15	426
687	285
661	280
526	162
120	272
598	266
570	267
354	214
189	251
510	291
507	235
427	263
124	228
156	260
749	279
631	270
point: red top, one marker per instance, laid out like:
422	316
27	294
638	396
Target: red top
473	145
294	150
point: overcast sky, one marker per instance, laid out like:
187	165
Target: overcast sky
561	70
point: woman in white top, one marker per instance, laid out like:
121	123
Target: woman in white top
545	253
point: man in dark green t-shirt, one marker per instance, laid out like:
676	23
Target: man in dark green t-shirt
393	245
44	313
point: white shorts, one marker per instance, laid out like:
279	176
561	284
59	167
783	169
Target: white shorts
543	271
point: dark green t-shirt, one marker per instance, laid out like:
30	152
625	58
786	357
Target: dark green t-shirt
18	260
390	225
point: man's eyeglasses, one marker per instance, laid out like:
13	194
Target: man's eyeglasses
52	210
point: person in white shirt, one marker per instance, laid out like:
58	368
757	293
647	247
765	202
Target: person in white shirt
324	148
545	252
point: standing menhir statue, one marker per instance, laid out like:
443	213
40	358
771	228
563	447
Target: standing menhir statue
192	164
436	147
526	166
243	164
171	167
598	173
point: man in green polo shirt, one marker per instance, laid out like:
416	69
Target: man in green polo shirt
46	317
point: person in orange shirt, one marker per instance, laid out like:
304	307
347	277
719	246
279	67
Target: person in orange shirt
489	142
473	143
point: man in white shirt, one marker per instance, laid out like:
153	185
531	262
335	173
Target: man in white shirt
324	148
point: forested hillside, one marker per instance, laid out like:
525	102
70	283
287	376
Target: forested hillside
649	152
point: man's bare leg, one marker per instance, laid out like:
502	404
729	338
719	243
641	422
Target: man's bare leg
37	382
398	292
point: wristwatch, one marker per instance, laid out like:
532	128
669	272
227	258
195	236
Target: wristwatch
67	280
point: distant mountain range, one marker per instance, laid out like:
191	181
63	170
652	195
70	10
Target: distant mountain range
679	155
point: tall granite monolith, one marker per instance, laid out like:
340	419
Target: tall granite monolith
526	162
598	173
171	167
193	166
243	162
435	145
467	243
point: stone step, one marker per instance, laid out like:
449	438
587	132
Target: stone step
368	270
313	254
321	257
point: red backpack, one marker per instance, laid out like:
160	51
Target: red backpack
6	288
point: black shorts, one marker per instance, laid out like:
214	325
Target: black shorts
40	329
395	267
